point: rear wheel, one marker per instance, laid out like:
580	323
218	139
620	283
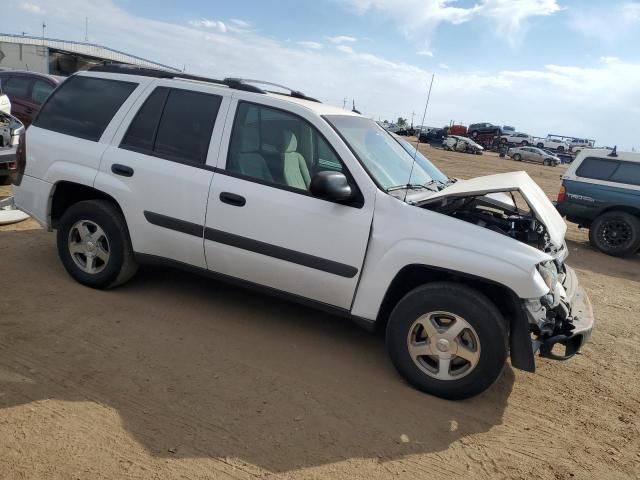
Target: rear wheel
560	149
474	133
94	246
615	233
503	141
517	157
540	145
546	162
448	340
524	143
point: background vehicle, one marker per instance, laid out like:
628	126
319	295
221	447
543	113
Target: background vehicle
552	143
435	134
476	129
533	154
601	191
461	144
27	91
5	103
266	185
457	130
10	130
517	138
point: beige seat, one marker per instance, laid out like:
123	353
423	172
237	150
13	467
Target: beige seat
248	161
296	172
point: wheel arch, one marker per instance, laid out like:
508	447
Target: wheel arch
504	298
635	211
66	194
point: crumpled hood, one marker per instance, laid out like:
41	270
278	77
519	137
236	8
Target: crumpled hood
512	181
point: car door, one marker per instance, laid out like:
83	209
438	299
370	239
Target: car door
160	165
263	225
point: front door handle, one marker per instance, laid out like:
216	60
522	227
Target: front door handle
122	170
232	199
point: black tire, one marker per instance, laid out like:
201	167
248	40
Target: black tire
120	265
560	149
540	145
503	141
615	233
524	143
517	157
545	162
477	310
474	133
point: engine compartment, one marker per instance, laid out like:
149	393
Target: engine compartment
499	213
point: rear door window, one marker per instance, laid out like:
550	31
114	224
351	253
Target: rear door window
174	124
40	91
83	106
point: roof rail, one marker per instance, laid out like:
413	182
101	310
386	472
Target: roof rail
292	92
156	73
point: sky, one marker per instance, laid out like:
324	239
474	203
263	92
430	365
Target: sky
566	67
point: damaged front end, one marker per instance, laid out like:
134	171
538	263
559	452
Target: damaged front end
559	323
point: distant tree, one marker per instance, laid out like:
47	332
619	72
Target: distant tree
401	122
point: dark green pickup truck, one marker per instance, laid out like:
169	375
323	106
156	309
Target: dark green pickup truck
601	191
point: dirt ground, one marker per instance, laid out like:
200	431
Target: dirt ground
176	376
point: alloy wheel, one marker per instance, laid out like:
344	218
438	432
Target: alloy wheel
443	345
89	246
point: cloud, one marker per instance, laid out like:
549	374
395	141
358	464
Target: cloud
508	17
341	39
310	45
240	23
32	8
585	101
609	59
210	24
426	53
444	66
609	24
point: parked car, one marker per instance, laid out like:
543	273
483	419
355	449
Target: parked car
424	163
552	144
27	91
476	129
533	154
436	134
601	191
580	143
461	144
306	201
517	138
5	103
10	130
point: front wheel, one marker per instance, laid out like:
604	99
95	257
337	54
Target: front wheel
524	143
615	233
517	157
540	145
94	246
448	340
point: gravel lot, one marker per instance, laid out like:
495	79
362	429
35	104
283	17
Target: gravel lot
176	376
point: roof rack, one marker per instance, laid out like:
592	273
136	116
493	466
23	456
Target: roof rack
234	83
155	73
292	93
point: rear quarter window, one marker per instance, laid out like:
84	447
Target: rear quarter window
597	168
83	106
628	173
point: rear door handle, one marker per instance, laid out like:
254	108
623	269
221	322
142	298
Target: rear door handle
122	170
233	199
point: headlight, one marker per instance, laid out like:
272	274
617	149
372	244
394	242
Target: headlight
549	273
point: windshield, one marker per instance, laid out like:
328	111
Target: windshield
383	157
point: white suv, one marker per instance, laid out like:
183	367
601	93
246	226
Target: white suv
286	195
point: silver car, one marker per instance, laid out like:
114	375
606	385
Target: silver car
534	154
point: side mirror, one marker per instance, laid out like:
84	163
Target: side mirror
330	185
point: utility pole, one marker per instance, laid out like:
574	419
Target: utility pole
86	29
44	25
413	114
344	103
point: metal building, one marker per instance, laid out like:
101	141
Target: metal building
61	57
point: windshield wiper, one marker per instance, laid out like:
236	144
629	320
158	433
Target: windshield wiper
409	186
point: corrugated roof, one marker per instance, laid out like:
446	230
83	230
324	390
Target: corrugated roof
83	48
